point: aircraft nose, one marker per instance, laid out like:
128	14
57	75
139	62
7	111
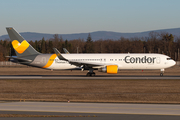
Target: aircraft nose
174	62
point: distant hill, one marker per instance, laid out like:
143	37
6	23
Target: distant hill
95	35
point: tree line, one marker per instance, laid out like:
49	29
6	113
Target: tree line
163	43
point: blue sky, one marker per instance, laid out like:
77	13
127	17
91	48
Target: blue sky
83	16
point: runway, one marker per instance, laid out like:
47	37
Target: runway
83	77
104	108
98	109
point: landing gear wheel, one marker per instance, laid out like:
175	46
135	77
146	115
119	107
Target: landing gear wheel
161	74
90	74
93	74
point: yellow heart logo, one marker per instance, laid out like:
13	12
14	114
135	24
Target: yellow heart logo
20	47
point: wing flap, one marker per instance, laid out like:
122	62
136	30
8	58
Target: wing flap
86	64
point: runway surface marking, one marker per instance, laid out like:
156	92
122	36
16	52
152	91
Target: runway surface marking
83	77
105	108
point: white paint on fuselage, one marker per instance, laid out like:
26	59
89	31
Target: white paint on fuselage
124	61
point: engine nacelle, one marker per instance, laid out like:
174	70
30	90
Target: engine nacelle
111	69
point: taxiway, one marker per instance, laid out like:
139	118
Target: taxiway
83	77
96	108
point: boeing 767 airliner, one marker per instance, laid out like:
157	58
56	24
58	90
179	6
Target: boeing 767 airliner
108	63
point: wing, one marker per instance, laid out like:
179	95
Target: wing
77	63
86	64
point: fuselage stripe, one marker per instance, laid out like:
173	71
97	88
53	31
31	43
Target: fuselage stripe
50	61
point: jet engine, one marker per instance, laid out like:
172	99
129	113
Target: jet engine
111	69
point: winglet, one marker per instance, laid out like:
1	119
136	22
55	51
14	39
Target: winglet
59	54
66	51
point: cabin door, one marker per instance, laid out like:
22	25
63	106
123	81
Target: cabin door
158	60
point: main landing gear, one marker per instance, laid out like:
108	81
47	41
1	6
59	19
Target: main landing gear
91	73
162	72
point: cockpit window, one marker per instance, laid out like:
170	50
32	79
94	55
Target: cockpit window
169	58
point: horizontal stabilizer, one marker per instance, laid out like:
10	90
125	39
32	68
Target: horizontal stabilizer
17	59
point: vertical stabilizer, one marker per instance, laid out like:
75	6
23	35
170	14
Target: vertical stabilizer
20	45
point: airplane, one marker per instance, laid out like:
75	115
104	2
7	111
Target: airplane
108	63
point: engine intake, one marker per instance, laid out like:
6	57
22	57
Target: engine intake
111	69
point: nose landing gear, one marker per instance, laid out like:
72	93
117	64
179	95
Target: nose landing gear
162	72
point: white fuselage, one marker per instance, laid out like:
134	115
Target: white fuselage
123	61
